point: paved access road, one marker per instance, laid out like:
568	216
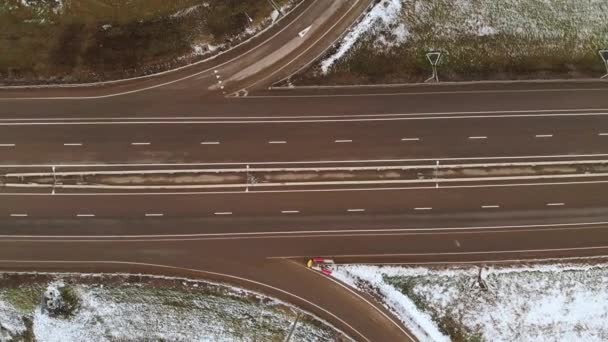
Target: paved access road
260	238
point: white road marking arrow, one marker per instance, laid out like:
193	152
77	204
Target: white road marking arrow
304	31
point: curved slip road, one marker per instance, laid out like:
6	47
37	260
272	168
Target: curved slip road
260	238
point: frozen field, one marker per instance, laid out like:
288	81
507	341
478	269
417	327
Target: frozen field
481	39
133	308
560	302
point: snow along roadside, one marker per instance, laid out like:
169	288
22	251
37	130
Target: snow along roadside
533	302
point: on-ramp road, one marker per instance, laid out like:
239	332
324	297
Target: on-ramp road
260	237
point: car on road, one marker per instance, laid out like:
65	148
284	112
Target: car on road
320	264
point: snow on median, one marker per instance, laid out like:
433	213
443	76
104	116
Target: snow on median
560	302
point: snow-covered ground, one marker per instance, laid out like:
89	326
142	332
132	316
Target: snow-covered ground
558	302
470	31
117	309
382	16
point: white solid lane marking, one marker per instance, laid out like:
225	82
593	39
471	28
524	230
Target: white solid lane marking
290	211
349	232
492	206
85	215
72	144
277	142
18	215
526	157
497	91
140	143
533	111
210	142
423	208
343	141
485	252
355	210
154	215
223	213
294	119
7	145
343	232
544	136
555	204
410	139
478	137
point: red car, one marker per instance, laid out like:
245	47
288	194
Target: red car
320	264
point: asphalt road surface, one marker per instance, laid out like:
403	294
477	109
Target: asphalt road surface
261	238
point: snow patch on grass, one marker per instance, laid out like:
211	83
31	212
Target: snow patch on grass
57	5
482	40
559	302
370	279
385	13
10	320
174	309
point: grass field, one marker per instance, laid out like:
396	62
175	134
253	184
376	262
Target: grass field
140	308
481	40
50	41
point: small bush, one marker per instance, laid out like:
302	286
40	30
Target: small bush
62	302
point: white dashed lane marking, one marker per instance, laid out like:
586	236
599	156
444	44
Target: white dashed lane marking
72	144
423	208
18	215
343	141
355	210
223	213
555	204
491	206
478	137
85	215
7	145
410	139
210	142
277	142
154	215
290	211
544	136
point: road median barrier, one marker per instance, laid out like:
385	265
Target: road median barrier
247	178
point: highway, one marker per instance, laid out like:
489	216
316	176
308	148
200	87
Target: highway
260	237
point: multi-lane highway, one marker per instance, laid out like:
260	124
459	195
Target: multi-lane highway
259	237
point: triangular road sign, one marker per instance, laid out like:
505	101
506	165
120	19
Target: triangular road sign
433	57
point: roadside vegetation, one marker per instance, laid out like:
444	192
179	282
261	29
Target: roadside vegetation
536	302
71	41
480	40
47	307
